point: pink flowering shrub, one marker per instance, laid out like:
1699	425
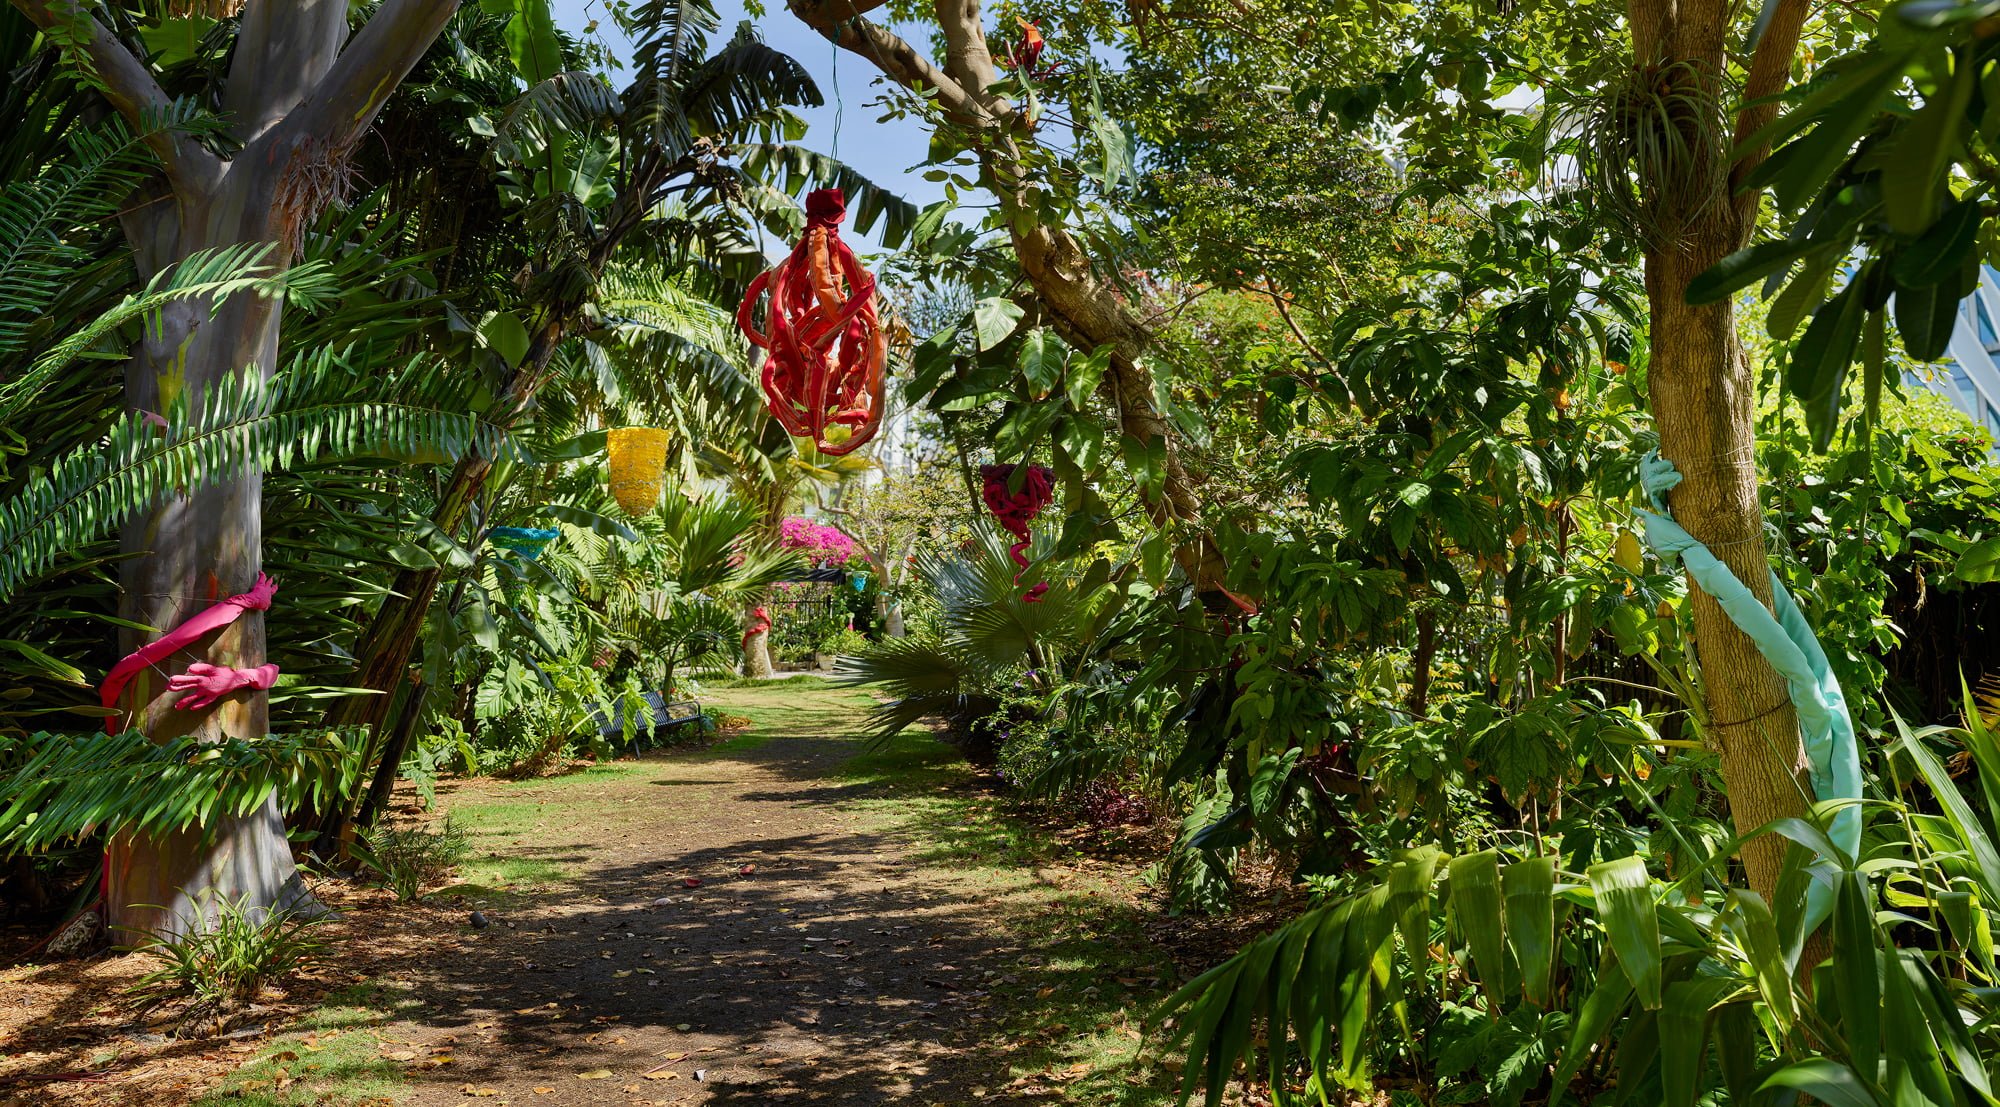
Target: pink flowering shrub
822	545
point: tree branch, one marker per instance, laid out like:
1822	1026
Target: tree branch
129	86
1770	71
344	103
280	56
897	59
966	57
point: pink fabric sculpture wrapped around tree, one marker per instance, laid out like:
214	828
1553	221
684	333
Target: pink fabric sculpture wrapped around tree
760	621
1015	510
823	372
204	683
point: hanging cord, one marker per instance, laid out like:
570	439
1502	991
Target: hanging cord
839	105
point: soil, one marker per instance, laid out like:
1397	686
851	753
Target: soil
734	927
815	963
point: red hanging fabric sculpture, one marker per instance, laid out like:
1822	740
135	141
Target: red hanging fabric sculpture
823	372
1015	510
205	683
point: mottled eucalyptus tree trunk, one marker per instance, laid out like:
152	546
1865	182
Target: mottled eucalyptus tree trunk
299	94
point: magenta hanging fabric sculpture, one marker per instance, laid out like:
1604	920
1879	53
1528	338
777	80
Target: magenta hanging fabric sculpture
206	683
823	372
1015	510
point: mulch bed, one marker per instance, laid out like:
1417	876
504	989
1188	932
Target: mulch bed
70	1033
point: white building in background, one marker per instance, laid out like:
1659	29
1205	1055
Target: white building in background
1971	379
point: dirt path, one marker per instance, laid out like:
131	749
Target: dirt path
859	934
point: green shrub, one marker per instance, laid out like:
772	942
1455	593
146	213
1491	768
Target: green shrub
224	964
409	858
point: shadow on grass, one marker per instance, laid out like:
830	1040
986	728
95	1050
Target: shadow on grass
334	1055
868	919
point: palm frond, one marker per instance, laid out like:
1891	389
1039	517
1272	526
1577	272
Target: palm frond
743	83
213	275
667	32
782	173
38	250
572	104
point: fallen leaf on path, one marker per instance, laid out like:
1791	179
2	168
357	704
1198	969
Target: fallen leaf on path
595	1074
479	1093
663	1074
545	1091
690	882
746	870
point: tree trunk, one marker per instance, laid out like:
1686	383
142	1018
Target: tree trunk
1703	395
187	552
297	97
1703	399
757	655
383	786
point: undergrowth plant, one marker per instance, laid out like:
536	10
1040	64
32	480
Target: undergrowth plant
408	859
1496	974
224	964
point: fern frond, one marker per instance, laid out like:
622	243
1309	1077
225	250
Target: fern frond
215	275
240	426
61	787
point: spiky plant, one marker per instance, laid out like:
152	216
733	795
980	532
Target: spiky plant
991	639
1637	147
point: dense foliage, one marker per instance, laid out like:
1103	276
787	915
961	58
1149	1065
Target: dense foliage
1345	374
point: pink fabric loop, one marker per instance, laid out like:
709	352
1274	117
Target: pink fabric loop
207	683
214	617
760	621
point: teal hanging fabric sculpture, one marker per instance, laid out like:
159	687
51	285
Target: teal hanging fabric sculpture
1787	642
529	542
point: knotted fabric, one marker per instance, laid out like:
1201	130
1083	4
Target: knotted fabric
215	617
1786	640
1015	510
823	373
760	621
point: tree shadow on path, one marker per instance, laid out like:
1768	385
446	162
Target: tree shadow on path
754	926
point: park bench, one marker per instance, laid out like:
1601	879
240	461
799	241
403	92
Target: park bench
664	716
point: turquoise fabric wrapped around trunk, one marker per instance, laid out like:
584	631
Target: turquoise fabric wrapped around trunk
1787	642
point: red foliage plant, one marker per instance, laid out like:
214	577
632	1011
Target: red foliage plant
826	348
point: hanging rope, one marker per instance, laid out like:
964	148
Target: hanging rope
823	375
1015	510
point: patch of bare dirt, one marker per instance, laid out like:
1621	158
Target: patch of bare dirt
70	1033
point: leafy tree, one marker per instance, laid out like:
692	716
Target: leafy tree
299	94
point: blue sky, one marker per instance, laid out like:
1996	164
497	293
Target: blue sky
846	125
